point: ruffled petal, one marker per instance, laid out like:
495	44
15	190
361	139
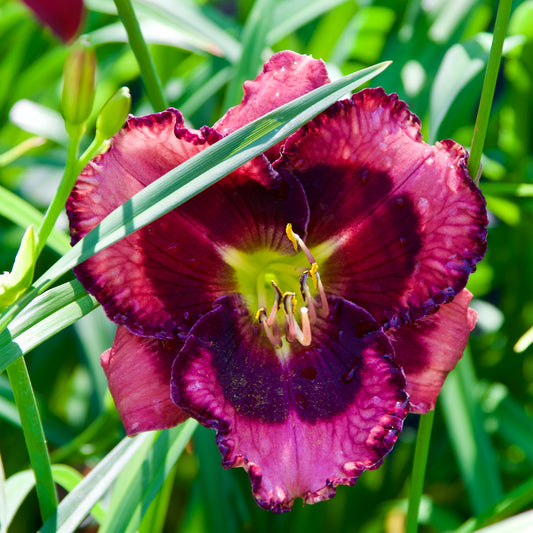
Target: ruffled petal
300	423
286	76
160	279
430	348
138	374
403	221
62	16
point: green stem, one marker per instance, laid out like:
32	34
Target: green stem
489	84
61	195
419	470
34	436
138	45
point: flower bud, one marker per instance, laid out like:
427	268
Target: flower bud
15	283
78	83
113	114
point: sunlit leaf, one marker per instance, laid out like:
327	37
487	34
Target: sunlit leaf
137	488
44	317
78	503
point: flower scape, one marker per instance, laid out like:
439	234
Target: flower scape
302	305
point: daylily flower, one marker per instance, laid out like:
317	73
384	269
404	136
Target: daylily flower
62	16
300	308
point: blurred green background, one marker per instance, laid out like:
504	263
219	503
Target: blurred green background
481	450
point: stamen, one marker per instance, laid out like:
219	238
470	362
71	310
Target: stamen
260	312
314	274
273	337
289	302
289	305
307	298
293	329
276	305
324	309
297	241
303	285
292	236
306	327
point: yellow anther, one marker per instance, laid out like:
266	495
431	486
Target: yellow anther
261	313
292	297
279	295
291	236
313	271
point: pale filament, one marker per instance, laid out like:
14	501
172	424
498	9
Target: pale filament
297	241
274	335
324	310
277	304
303	336
308	299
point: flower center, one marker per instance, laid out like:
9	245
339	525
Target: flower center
286	296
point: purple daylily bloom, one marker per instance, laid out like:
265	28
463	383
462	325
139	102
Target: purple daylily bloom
62	16
299	307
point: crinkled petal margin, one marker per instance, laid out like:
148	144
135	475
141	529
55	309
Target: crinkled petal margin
403	222
301	422
160	279
285	76
429	349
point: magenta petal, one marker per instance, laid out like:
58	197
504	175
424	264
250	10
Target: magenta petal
286	76
138	374
62	16
160	279
405	221
300	426
428	350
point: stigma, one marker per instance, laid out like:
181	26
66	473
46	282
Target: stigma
283	315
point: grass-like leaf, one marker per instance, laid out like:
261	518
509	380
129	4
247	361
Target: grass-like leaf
464	420
140	484
205	169
181	184
20	212
518	190
44	317
254	40
518	499
191	18
69	478
78	503
290	15
461	64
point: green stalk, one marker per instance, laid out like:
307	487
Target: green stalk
138	45
419	470
489	84
478	141
34	437
61	195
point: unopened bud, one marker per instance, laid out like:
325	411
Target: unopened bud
13	284
113	114
78	83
